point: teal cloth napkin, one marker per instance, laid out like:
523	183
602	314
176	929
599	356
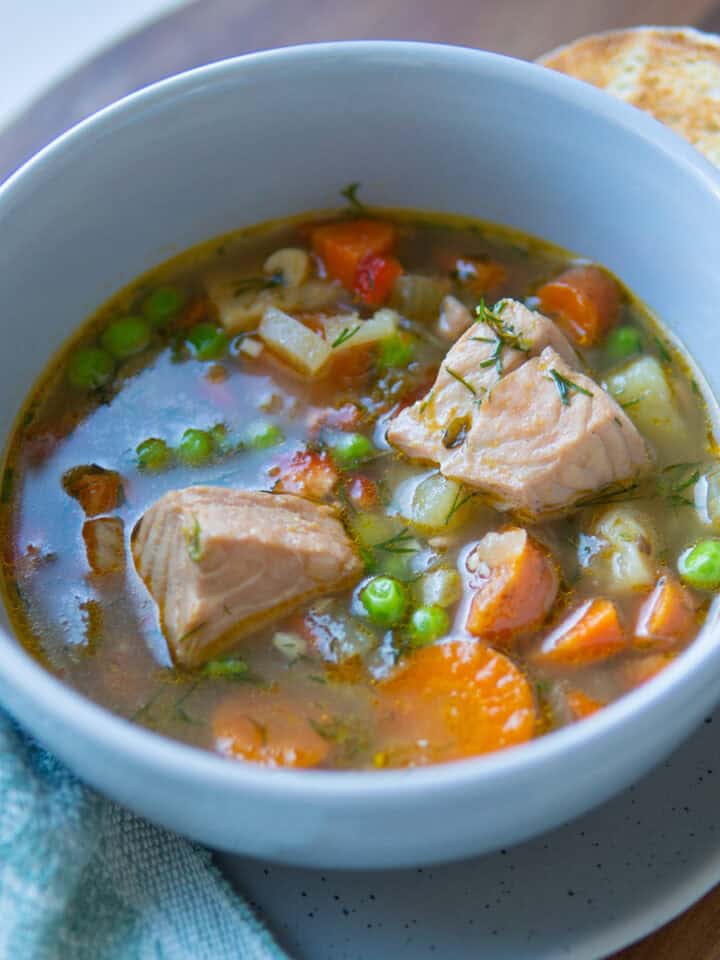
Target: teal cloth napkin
83	879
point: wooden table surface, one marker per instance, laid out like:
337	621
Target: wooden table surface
210	30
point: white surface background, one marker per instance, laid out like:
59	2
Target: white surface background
42	40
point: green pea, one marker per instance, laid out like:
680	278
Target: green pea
207	340
623	342
385	600
90	368
396	351
153	454
195	447
125	337
350	449
428	624
162	304
221	439
700	565
265	435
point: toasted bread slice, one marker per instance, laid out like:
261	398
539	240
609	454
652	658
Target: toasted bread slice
671	72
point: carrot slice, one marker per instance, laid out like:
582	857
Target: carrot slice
639	670
454	700
343	245
517	585
667	617
591	634
581	705
584	301
268	729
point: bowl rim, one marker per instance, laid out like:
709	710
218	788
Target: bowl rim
178	760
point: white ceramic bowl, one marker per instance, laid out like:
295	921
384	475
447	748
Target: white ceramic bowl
275	133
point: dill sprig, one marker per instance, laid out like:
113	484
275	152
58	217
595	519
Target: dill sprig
399	543
456	376
345	335
458	503
565	386
675	480
350	193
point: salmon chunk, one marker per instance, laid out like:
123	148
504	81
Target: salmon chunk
545	437
511	415
485	353
220	563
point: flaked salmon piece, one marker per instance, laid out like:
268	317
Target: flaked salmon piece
484	354
220	563
545	437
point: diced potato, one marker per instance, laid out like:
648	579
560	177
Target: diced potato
104	545
371	528
241	304
642	389
418	297
251	347
435	502
440	587
292	263
627	558
352	332
294	342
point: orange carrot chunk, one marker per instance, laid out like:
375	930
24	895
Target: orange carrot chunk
667	617
517	584
454	700
343	245
263	727
582	705
590	634
584	301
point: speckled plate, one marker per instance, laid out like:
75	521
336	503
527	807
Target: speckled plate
582	891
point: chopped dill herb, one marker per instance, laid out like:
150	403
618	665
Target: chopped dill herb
345	335
564	386
317	678
505	335
350	194
675	480
400	543
462	380
630	403
458	503
610	494
426	401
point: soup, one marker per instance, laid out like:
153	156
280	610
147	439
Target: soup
371	490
